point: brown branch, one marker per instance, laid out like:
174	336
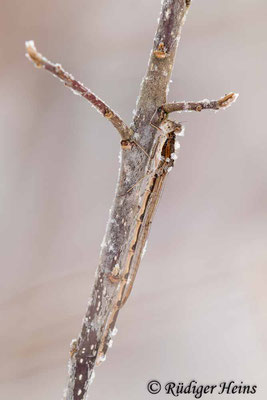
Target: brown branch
78	88
127	228
148	154
205	104
155	84
188	106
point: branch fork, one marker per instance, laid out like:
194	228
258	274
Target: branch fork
148	154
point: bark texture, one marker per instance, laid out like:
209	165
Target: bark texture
114	271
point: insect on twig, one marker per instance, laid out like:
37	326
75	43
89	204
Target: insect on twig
130	216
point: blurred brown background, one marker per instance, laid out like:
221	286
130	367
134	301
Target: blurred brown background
198	309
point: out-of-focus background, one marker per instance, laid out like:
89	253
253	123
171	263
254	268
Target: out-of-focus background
198	308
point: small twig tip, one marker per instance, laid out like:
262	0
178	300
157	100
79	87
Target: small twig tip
236	95
32	54
30	44
30	48
228	100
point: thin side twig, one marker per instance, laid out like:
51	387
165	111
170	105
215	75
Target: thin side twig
78	88
205	104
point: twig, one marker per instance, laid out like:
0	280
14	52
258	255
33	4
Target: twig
77	87
205	104
188	106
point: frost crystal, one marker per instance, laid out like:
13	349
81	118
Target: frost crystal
75	92
70	367
205	102
167	13
177	145
167	89
144	250
111	248
114	331
30	44
92	377
182	132
119	156
103	244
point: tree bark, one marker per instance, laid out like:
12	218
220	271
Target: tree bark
117	256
